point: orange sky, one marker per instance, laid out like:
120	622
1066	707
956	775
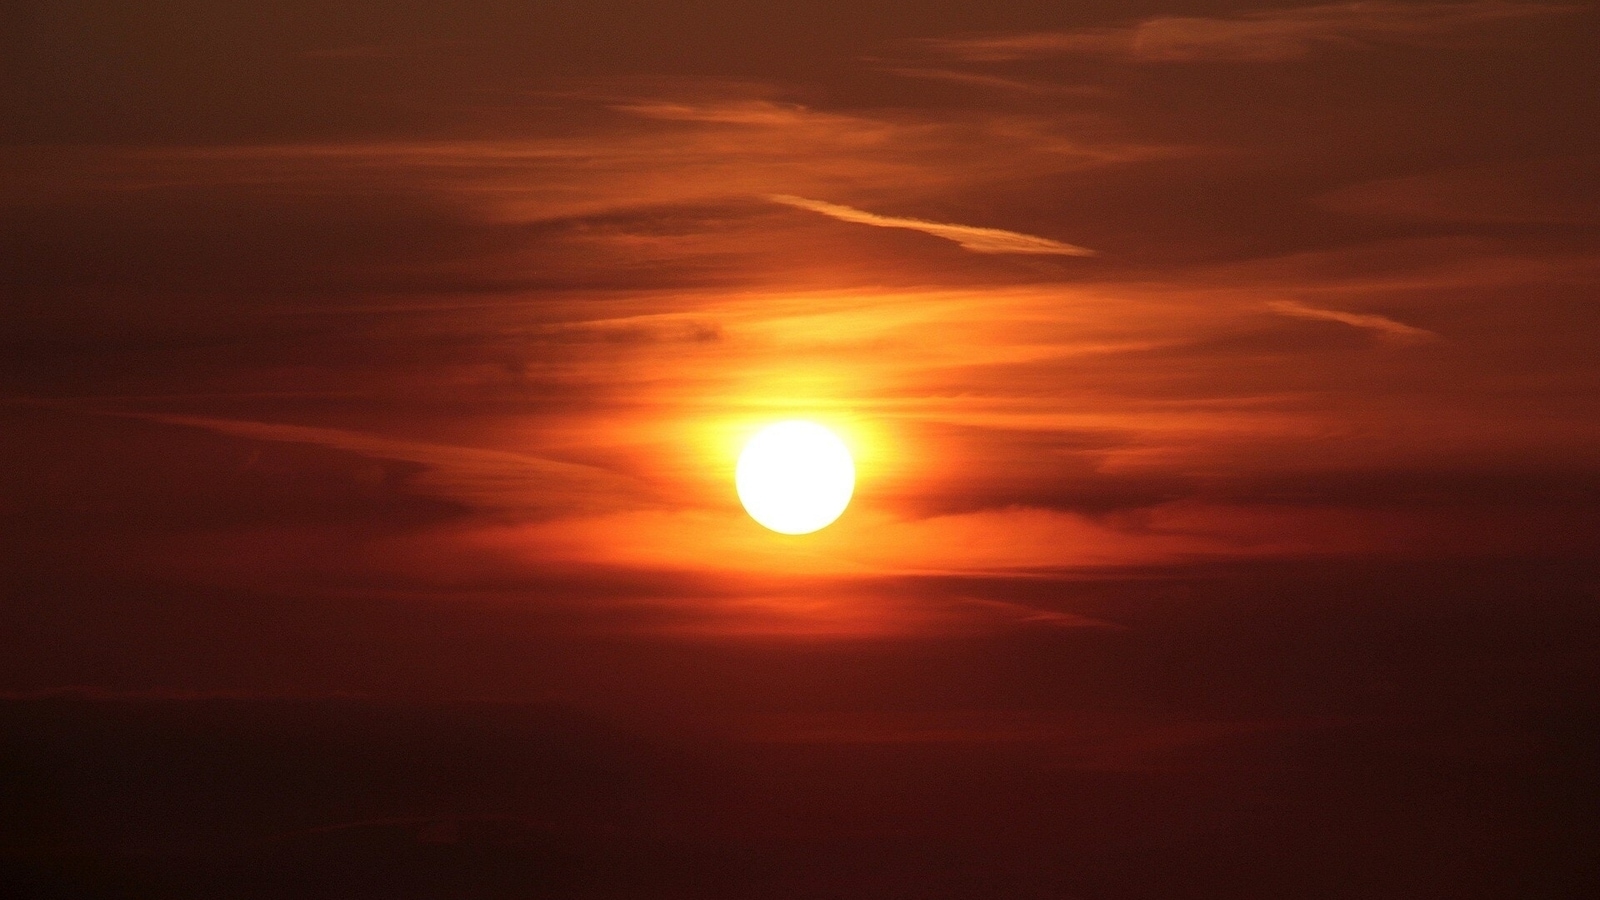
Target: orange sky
1084	287
1222	380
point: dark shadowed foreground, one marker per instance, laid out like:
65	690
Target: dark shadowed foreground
1292	730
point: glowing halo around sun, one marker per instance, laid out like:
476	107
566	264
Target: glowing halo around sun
795	477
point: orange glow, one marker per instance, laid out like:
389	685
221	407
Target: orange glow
847	448
1103	379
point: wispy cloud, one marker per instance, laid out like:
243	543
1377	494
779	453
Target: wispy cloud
482	478
1384	327
656	153
1271	35
730	112
997	82
1555	191
969	237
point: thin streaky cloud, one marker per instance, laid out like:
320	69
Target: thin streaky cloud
483	479
1023	614
741	112
968	237
996	82
1384	327
1272	35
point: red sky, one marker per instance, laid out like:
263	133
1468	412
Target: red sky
1191	353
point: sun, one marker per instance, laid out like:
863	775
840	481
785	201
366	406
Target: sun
795	477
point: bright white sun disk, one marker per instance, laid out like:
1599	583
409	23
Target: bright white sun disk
795	477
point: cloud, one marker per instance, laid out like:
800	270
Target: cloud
1272	35
483	478
996	82
1025	614
1387	329
969	237
1554	191
656	153
761	113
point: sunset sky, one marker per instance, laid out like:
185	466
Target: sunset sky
1223	382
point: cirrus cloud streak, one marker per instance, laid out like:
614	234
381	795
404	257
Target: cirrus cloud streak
968	237
1262	36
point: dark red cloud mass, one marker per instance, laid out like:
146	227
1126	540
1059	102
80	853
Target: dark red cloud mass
1222	381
